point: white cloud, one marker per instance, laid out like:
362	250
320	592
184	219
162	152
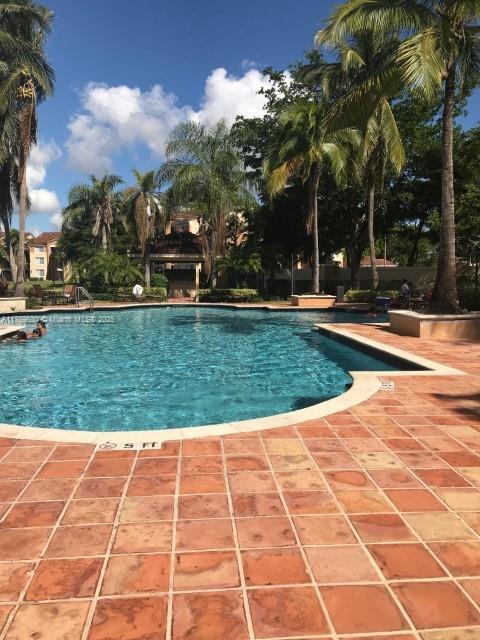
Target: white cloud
115	118
56	220
246	63
42	200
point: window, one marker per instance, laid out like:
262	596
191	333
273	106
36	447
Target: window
40	273
40	260
40	249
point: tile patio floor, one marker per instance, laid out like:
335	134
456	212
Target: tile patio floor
364	524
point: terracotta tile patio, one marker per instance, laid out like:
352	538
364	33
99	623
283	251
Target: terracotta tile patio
365	524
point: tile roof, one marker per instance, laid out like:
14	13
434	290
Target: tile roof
45	237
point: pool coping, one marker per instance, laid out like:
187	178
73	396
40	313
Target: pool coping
365	385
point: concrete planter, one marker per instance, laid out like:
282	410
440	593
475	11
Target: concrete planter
320	302
11	305
437	327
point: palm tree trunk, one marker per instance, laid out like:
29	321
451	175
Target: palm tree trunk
104	239
8	244
444	297
313	217
371	230
19	288
146	262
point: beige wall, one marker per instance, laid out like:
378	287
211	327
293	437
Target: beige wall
44	252
407	323
421	277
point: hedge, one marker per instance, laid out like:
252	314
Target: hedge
469	299
148	292
368	295
228	295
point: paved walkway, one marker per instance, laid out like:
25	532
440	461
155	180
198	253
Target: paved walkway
363	524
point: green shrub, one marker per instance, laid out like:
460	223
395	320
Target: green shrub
32	303
159	280
469	299
148	292
228	295
368	295
157	292
103	297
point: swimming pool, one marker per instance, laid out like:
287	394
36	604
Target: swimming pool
158	368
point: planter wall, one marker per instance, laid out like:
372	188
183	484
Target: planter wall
437	327
320	302
8	305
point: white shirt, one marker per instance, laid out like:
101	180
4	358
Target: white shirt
405	289
138	290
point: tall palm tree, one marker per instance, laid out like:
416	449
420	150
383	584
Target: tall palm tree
440	50
26	79
6	211
302	150
206	172
100	203
364	59
144	213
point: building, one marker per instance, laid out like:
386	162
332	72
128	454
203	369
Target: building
381	262
45	263
5	272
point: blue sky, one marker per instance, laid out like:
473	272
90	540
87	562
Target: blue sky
127	72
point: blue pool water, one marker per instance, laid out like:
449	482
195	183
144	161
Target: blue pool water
173	367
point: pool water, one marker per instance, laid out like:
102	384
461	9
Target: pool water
155	368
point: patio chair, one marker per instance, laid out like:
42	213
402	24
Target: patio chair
68	295
47	297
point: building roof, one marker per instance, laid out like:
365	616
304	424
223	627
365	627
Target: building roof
381	262
45	238
177	243
184	214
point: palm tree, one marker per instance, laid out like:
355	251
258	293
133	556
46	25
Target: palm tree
6	211
303	148
364	59
26	79
143	205
98	202
440	50
206	172
239	262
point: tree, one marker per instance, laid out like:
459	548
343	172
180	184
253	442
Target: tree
239	262
440	49
97	202
303	147
363	61
26	79
144	213
206	173
105	270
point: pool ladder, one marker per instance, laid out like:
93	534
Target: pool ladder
81	291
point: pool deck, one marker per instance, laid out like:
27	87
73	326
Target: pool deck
361	524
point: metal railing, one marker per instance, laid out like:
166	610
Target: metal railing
81	291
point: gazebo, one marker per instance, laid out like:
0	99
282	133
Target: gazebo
178	255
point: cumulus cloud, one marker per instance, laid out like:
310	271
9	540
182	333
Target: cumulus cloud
56	220
42	200
115	118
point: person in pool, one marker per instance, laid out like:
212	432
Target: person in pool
22	336
42	327
36	333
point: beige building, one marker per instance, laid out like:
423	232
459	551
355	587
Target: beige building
45	263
